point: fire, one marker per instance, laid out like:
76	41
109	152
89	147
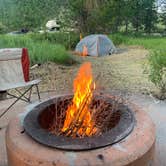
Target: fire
85	51
78	113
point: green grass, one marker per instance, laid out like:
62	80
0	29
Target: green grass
68	40
156	59
157	62
39	51
148	42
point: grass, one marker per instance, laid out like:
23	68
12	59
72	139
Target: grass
148	42
53	47
68	40
156	66
157	62
39	51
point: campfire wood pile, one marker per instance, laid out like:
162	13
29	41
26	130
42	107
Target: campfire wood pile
85	114
105	115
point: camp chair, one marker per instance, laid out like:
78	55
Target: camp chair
14	74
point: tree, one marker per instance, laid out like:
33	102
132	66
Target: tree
163	14
149	15
7	9
86	13
137	14
127	13
110	15
28	14
88	16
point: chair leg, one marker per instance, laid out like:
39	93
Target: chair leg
26	98
30	93
14	102
38	93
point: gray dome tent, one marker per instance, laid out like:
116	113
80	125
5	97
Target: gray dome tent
97	45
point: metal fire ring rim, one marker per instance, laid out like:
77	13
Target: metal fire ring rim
34	130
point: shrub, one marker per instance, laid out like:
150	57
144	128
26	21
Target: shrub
69	40
157	61
39	51
118	39
3	28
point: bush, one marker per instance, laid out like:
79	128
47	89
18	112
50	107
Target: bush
69	40
118	39
39	51
3	28
157	61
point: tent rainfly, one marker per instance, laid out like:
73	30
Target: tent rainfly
97	45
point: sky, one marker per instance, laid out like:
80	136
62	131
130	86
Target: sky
160	5
162	1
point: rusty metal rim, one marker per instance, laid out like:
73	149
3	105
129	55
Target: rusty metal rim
119	132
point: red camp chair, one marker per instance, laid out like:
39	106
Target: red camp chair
14	74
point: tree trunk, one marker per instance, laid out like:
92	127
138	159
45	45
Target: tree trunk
126	25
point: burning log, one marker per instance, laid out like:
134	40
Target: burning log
85	115
78	114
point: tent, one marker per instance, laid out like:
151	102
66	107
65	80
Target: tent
97	45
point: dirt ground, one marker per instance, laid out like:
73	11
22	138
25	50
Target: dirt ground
124	71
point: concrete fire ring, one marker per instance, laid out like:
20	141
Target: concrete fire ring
137	149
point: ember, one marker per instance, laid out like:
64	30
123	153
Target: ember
78	119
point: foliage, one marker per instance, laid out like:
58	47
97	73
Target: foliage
163	15
110	15
148	42
28	14
118	39
97	16
39	51
3	28
157	61
7	13
120	11
87	16
31	13
149	15
69	40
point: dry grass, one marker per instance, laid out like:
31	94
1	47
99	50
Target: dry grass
124	71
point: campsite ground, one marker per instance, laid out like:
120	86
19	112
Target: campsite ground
155	109
119	73
125	71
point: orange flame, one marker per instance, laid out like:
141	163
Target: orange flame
85	51
79	110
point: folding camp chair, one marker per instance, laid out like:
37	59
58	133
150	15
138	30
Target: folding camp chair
14	74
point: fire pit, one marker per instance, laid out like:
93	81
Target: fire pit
45	121
88	128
